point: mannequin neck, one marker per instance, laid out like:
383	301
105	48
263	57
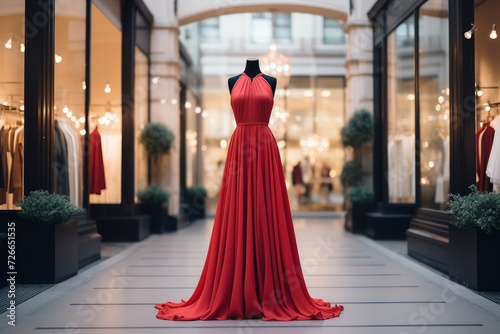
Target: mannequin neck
252	67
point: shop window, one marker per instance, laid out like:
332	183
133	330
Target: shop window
105	114
69	99
401	115
12	49
434	108
333	31
209	30
141	111
487	72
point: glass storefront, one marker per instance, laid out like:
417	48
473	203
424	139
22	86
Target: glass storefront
11	104
434	92
401	114
105	115
487	72
69	98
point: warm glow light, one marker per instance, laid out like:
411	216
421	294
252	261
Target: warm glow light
84	85
82	119
65	109
411	97
5	103
223	143
83	132
187	105
107	89
58	59
197	110
431	164
493	34
424	180
332	173
426	144
8	45
488	108
308	93
173	101
468	34
155	80
445	117
22	47
73	118
479	93
69	114
440	99
163	101
326	93
21	108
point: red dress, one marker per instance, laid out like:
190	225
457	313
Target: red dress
252	269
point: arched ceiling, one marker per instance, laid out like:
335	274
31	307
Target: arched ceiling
189	11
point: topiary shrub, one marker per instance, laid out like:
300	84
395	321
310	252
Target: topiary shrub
361	195
351	174
195	192
153	195
480	210
358	130
156	138
41	207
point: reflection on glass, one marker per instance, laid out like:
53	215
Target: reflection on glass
401	115
105	108
11	104
141	104
434	105
69	98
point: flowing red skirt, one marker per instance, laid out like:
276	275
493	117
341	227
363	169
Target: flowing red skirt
252	268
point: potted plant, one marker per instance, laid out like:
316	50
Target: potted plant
356	133
157	140
196	198
47	238
361	199
474	239
153	199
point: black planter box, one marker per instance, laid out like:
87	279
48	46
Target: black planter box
46	253
131	228
356	216
160	221
475	258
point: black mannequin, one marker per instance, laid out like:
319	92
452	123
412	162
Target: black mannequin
252	69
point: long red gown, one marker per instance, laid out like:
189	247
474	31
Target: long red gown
252	268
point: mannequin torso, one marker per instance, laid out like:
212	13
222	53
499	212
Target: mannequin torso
252	69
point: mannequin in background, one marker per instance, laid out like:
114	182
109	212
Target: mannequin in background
252	69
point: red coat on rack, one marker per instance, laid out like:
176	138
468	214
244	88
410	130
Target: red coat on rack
97	179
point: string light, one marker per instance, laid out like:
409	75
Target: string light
107	89
84	85
22	47
8	45
58	59
493	34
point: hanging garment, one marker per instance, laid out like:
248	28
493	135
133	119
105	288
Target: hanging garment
484	143
73	164
97	178
253	251
18	167
5	165
493	167
297	174
61	163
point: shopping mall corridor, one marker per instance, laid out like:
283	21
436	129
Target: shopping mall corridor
382	291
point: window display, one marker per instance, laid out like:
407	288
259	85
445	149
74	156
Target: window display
12	106
401	114
434	111
105	104
69	99
487	70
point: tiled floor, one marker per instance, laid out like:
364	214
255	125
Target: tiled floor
382	291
